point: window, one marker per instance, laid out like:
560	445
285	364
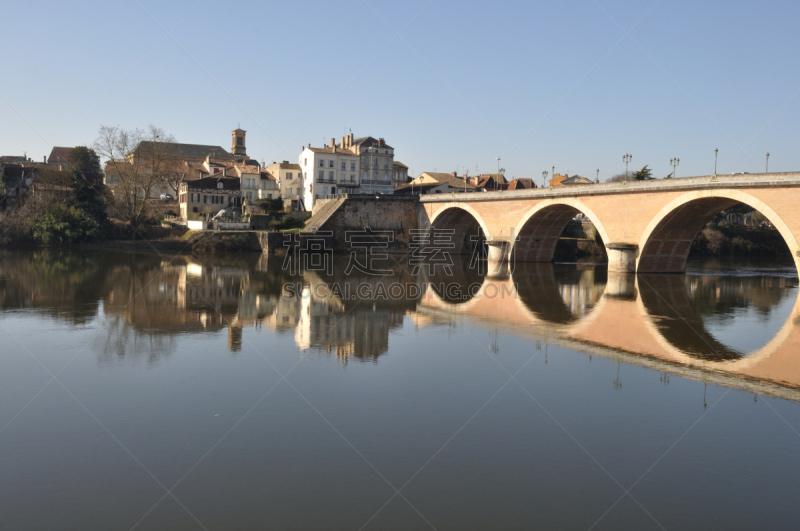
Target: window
330	164
366	176
352	166
289	191
385	163
219	185
321	174
352	178
344	165
321	163
330	175
342	176
288	175
305	162
386	176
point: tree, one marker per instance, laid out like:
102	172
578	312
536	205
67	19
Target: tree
643	175
88	192
618	178
85	159
137	160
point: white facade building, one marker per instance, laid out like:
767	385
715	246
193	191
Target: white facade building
290	179
354	165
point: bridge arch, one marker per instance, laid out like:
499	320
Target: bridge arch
465	221
538	231
666	242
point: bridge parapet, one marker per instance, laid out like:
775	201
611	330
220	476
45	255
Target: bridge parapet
703	182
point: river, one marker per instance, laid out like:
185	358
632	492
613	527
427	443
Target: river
145	391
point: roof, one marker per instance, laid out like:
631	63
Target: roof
521	184
447	178
286	165
576	179
333	151
211	183
184	151
59	155
246	168
400	164
368	141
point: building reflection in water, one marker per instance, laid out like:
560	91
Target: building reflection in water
146	303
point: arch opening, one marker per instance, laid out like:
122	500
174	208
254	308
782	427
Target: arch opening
711	226
559	232
559	294
467	237
718	317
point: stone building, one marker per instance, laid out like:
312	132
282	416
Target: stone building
400	173
203	198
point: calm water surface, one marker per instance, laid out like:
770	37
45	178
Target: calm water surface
148	392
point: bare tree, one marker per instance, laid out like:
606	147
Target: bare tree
136	161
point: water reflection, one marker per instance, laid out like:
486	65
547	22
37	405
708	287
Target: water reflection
145	303
559	294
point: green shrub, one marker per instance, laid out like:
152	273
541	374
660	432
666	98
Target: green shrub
61	224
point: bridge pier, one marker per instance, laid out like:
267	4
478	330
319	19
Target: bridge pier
621	257
497	250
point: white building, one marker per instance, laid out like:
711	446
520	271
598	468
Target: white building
354	165
290	180
328	170
257	183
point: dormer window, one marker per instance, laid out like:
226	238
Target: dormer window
219	186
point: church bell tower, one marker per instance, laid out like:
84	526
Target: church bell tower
238	148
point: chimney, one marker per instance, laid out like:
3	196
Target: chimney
454	174
381	142
333	142
45	159
342	143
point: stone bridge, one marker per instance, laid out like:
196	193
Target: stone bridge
646	226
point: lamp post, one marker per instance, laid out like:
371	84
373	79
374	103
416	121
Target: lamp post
674	162
544	179
767	170
626	158
716	152
597	179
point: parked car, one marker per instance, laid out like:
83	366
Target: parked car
167	197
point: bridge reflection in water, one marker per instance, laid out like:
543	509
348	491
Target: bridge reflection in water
652	320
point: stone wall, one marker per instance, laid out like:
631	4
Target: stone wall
394	215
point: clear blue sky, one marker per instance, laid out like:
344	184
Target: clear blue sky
538	84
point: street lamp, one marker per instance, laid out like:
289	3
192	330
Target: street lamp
767	170
716	151
626	158
597	179
544	178
674	162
